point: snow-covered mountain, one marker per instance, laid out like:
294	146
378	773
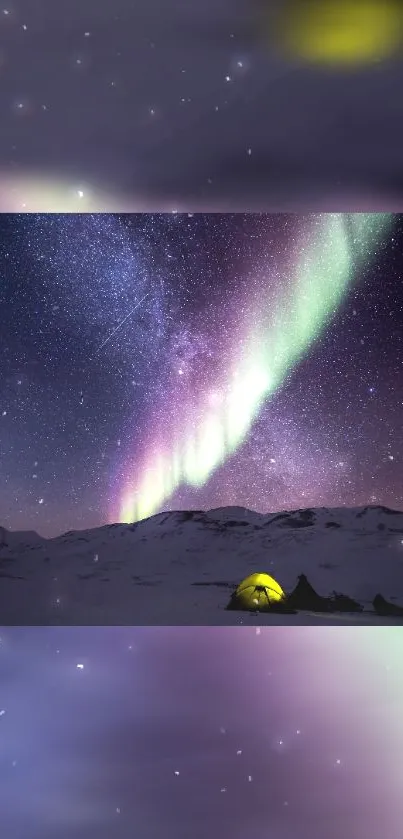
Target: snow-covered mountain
180	568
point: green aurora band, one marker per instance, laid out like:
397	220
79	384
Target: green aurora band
334	247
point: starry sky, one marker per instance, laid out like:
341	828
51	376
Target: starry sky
215	732
164	104
179	361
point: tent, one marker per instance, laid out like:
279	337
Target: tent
261	593
257	592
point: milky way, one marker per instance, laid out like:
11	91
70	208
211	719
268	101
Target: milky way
237	732
280	328
122	336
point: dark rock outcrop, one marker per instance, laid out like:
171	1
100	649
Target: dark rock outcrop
306	598
3	538
303	598
385	609
343	603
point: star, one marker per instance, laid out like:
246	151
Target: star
182	361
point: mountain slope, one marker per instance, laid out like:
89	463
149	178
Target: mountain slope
180	567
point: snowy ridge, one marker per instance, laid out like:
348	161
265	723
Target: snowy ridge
180	567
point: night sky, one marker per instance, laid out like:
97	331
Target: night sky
160	732
131	345
164	104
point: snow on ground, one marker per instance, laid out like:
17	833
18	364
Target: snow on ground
180	568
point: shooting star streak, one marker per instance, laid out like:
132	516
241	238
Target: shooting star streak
121	323
269	341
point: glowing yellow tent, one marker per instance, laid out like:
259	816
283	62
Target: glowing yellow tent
258	591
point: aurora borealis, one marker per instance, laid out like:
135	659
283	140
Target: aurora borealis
172	732
276	337
178	361
201	306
